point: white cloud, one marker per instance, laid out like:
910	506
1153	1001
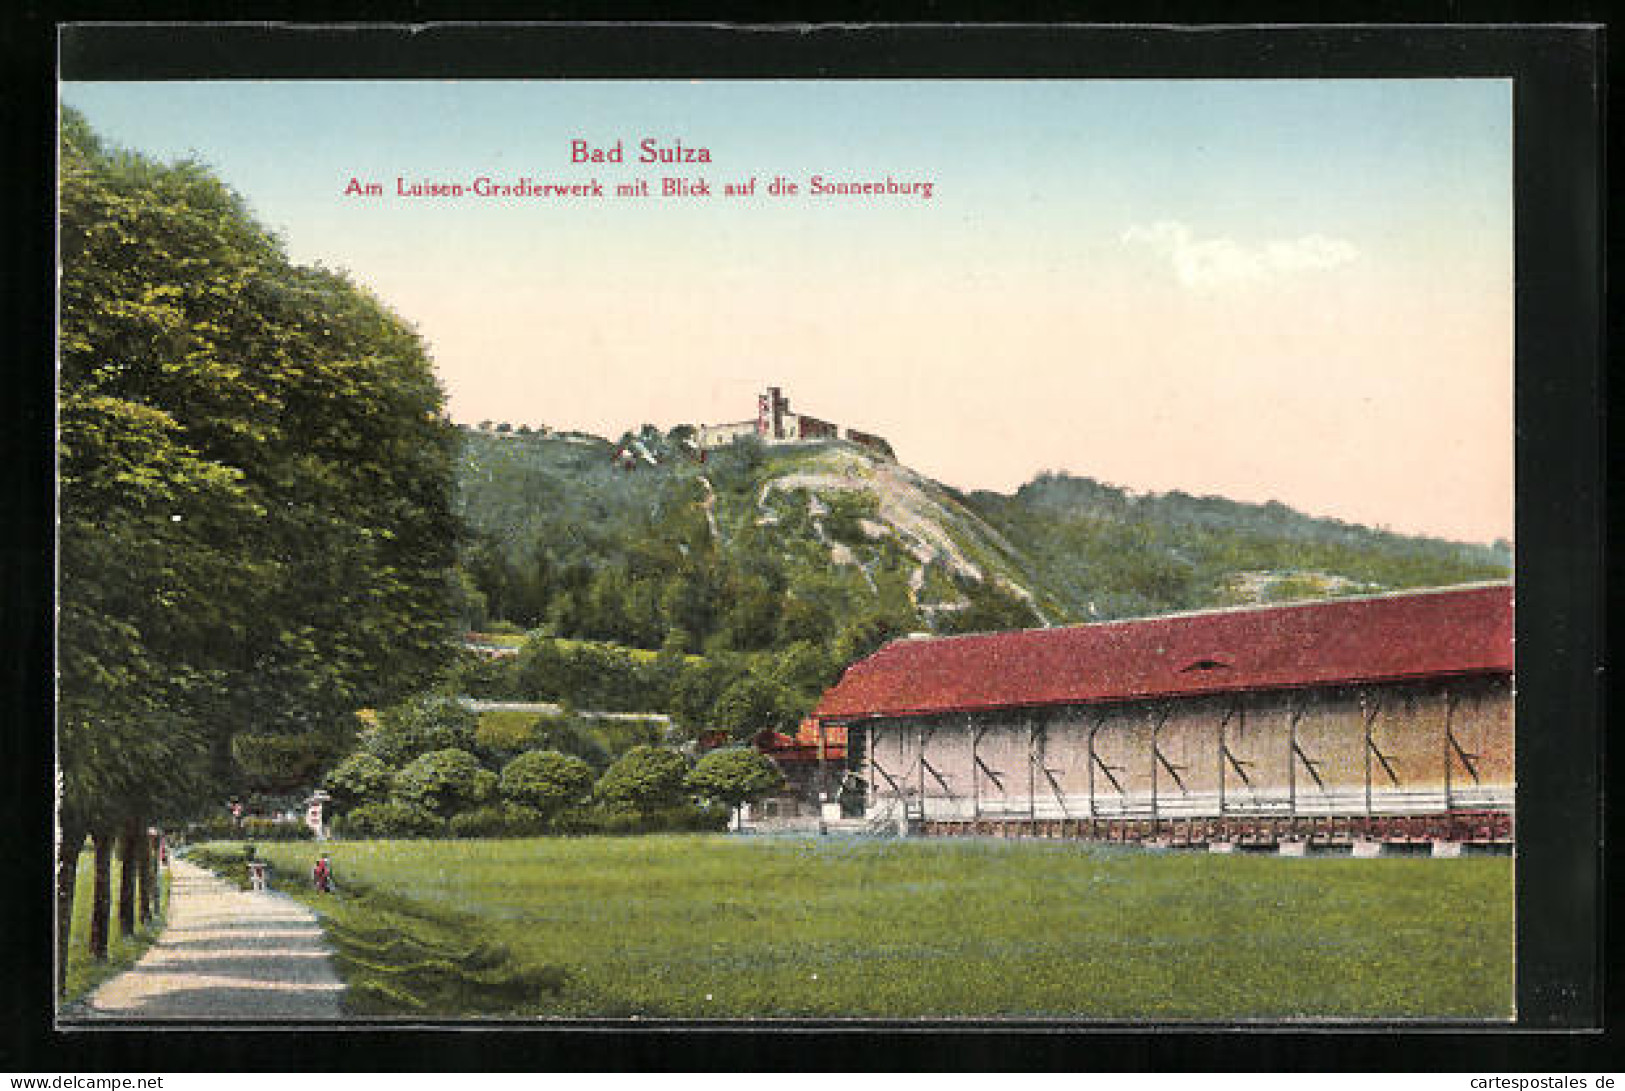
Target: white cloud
1218	261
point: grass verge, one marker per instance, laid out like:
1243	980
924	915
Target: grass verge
85	973
400	957
703	926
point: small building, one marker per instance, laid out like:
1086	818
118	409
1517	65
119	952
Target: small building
1381	718
807	759
775	423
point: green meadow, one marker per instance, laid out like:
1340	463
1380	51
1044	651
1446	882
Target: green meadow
696	926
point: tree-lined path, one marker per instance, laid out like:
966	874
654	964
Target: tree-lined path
227	954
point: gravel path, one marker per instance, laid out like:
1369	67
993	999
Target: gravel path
226	954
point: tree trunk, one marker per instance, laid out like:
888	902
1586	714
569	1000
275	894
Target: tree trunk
149	877
143	882
128	853
101	894
67	875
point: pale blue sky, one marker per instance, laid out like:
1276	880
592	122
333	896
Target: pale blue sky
1361	228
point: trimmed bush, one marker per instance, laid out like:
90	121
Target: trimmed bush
546	780
646	779
443	782
392	818
417	727
359	778
735	776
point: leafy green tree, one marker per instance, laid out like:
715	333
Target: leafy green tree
991	608
735	776
422	724
443	782
806	669
359	778
698	686
865	636
646	778
571	736
750	621
546	780
255	498
751	704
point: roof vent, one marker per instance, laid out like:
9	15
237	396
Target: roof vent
1204	665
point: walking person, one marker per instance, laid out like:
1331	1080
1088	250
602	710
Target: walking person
322	875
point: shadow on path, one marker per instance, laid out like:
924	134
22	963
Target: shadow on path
226	954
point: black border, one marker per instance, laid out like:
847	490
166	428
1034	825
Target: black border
1558	111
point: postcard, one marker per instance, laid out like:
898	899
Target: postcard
744	550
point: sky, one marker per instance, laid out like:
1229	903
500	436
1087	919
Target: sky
1268	290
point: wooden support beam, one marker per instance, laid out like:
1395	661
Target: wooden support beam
1224	749
897	789
1032	767
1095	761
1159	758
1238	764
1055	786
1309	764
1091	763
919	757
1294	714
929	768
1453	745
1369	706
975	761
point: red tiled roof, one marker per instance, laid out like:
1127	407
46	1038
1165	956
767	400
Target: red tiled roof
1417	635
804	745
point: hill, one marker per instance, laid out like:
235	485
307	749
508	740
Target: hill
760	572
760	546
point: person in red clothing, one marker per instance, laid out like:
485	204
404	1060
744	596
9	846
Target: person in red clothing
322	875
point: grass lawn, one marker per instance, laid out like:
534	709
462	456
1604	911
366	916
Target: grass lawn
85	973
713	926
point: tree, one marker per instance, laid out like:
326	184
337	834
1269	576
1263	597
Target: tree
443	782
735	776
546	780
358	779
865	636
568	735
256	520
646	778
991	608
696	689
416	727
751	704
806	669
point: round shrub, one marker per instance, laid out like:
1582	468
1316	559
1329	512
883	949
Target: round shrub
443	782
414	728
359	778
735	776
546	780
646	778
